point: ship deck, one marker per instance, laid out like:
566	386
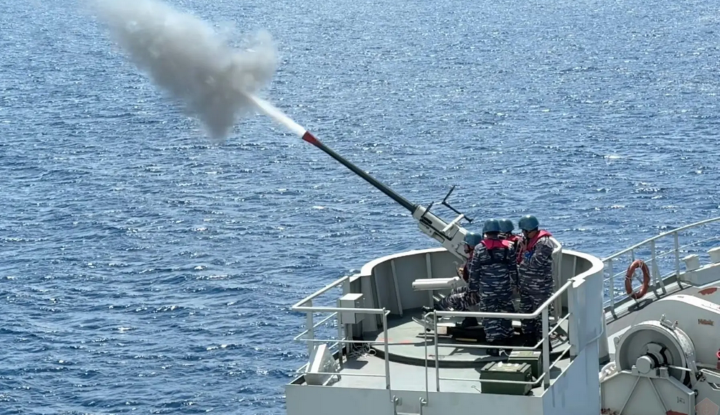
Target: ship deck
459	362
417	378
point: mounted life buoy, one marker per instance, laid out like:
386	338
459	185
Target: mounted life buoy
638	263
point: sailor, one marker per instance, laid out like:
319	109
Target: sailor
471	240
506	228
491	270
462	298
534	262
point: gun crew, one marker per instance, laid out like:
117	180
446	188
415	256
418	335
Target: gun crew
500	264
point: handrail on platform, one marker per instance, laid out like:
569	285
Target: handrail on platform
543	311
305	305
657	278
319	292
656	237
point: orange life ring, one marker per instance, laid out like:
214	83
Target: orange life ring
638	263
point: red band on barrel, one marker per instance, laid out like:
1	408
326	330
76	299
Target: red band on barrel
310	138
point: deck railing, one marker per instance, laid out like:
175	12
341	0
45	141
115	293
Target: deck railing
664	251
543	311
662	254
306	305
308	337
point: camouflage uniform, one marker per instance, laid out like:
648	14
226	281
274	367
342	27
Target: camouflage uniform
517	242
491	273
535	282
460	298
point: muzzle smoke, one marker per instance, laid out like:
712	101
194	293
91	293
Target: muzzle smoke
184	56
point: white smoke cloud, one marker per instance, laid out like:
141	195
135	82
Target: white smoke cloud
184	56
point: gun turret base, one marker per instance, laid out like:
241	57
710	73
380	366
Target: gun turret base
408	335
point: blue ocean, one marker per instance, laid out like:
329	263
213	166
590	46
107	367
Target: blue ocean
147	269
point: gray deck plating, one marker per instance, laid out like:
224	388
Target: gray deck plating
408	339
415	378
459	369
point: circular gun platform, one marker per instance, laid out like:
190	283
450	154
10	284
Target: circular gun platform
407	340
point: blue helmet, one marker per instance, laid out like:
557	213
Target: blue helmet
506	225
472	239
528	223
491	225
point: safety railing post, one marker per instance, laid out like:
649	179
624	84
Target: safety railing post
310	329
677	258
556	271
341	338
612	286
427	386
437	358
546	347
655	269
387	354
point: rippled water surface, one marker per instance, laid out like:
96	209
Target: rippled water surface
145	269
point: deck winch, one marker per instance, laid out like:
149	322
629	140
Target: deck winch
666	365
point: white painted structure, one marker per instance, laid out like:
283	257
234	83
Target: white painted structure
663	349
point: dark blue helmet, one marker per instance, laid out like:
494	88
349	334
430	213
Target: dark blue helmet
506	225
491	225
472	239
528	223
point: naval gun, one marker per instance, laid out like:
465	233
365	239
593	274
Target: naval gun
450	235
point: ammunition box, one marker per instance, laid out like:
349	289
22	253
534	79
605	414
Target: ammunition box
531	357
518	372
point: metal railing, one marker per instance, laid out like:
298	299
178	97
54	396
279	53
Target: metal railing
307	336
543	311
661	252
306	306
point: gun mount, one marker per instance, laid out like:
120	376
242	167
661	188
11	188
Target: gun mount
450	235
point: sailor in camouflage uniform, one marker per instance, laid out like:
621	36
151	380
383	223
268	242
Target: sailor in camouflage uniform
491	271
506	228
462	298
534	259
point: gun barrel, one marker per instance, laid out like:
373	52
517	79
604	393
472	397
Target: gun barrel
451	236
383	188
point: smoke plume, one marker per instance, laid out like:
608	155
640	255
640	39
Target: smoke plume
184	56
